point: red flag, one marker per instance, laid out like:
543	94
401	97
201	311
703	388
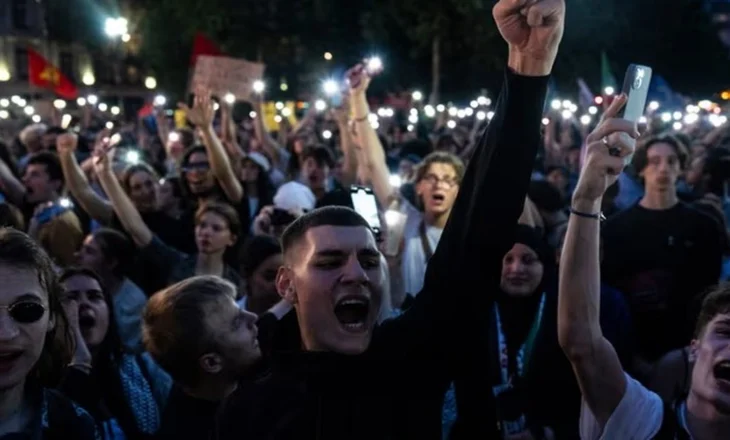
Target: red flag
203	46
147	110
46	75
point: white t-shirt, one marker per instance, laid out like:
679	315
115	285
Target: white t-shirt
638	416
414	257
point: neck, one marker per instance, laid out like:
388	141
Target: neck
210	264
213	390
704	421
436	220
112	283
659	200
11	401
252	189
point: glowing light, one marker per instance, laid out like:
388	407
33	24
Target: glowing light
440	108
451	124
4	114
150	82
92	99
330	87
556	104
598	100
653	105
677	126
29	110
328	56
567	114
81	102
490	115
395	181
585	119
103	107
115	110
413	119
132	157
417	95
59	104
4	102
252	114
481	115
677	116
429	111
36	118
320	105
327	134
160	101
593	110
109	125
259	86
666	117
609	91
279	105
474	104
545	121
88	78
286	112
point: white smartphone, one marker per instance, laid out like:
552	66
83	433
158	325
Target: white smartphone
636	88
363	200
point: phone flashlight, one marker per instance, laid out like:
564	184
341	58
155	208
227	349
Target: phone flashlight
65	202
230	98
160	101
259	86
173	137
330	87
115	139
374	65
132	157
395	181
92	99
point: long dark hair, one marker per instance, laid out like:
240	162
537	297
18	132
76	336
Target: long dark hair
19	251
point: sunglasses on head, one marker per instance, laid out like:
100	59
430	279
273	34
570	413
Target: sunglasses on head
25	312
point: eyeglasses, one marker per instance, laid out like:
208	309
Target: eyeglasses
26	312
198	166
433	179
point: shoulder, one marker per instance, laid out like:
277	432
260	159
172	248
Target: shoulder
62	416
638	416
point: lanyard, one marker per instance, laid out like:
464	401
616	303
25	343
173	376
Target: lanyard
524	353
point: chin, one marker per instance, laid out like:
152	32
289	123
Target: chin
352	344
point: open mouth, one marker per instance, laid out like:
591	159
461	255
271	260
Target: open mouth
352	312
722	371
438	198
86	322
10	356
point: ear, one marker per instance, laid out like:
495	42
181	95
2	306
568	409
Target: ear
285	284
232	240
694	347
210	363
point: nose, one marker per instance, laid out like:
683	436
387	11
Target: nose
250	320
515	267
8	327
354	272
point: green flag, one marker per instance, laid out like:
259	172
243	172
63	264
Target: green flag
607	78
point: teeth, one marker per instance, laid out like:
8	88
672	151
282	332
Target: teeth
349	302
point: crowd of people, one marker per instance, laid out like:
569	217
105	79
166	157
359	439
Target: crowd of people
528	276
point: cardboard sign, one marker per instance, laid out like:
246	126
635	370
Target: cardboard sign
223	75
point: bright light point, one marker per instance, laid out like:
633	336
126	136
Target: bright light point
395	181
381	112
481	115
567	103
585	119
116	27
410	127
567	114
4	114
15	98
545	121
216	106
474	104
21	102
150	82
593	110
375	124
320	105
29	110
677	116
692	109
666	117
279	105
277	119
642	120
429	111
440	108
453	111
451	124
59	104
36	118
328	56
469	111
115	139
81	102
4	74
92	99
372	117
490	115
284	87
126	38
327	134
417	96
653	105
705	104
414	111
330	87
556	104
677	126
4	102
65	121
230	98
573	108
691	118
88	79
413	119
252	114
598	100
103	107
132	157
160	101
483	100
609	91
115	110
375	64
460	114
259	86
173	137
64	202
109	125
286	112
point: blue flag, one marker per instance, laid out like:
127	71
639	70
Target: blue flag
660	91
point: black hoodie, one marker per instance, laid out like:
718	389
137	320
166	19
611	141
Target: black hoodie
395	389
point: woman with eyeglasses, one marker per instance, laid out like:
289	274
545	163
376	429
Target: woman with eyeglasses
35	345
217	228
124	392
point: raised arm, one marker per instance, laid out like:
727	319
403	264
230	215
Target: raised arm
202	115
126	212
98	208
594	360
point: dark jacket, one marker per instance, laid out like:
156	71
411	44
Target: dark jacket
395	389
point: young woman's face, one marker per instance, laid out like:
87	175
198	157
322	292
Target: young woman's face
198	175
213	234
143	189
522	271
167	195
262	283
93	311
90	255
24	323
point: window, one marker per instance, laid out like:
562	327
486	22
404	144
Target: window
67	65
21	63
20	14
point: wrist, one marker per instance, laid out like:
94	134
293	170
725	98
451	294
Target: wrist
529	64
588	206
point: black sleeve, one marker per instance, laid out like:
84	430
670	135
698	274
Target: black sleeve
464	272
79	387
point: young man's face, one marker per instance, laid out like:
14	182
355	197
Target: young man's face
235	335
438	188
334	279
662	168
711	373
39	187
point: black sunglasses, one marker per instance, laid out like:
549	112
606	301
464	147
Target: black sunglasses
25	312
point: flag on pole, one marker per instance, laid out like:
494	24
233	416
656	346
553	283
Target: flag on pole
585	96
607	78
42	73
203	45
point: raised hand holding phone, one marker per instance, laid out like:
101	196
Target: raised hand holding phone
636	90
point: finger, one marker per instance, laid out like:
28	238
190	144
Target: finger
541	12
615	107
535	17
505	8
183	106
606	164
611	126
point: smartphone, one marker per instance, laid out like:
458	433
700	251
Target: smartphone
636	88
363	200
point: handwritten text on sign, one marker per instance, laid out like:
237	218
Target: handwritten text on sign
224	75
